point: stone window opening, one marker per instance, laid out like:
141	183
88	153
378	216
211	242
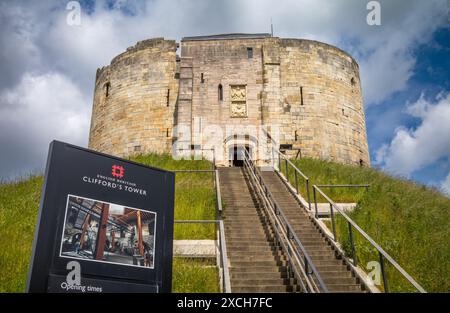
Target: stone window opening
361	162
353	81
107	86
296	136
202	78
167	132
301	96
168	97
220	92
250	52
137	148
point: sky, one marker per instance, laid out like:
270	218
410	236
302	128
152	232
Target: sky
48	63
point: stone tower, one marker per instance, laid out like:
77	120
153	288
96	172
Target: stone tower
223	90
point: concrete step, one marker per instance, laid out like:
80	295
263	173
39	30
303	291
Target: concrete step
250	242
256	289
344	287
258	275
259	269
242	282
254	250
268	262
343	273
329	281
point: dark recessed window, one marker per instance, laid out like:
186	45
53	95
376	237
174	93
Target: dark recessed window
285	147
107	87
220	92
353	81
168	97
202	79
137	148
250	52
301	95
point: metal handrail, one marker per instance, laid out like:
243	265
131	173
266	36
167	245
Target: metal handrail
296	173
366	186
382	254
344	186
307	267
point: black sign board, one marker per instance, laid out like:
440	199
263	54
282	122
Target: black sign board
104	225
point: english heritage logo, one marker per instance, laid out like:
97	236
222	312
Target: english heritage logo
117	171
115	181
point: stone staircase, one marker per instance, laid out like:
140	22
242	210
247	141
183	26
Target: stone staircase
256	264
333	271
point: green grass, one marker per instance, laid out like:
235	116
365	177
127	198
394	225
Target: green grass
410	221
194	195
194	199
192	275
18	208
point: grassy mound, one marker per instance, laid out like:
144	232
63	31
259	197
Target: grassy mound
194	199
410	221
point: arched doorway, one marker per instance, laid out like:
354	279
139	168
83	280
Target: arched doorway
236	146
236	153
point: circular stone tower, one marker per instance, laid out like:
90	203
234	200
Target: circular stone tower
310	92
134	100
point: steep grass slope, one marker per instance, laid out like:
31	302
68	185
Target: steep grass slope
410	221
194	199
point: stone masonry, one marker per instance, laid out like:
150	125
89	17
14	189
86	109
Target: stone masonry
222	90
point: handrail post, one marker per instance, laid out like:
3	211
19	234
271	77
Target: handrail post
296	181
315	201
279	161
308	194
223	245
332	221
383	273
287	173
350	235
273	158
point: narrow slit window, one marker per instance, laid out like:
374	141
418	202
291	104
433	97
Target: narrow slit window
250	52
168	97
301	95
220	92
202	79
107	87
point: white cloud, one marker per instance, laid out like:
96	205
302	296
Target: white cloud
39	109
35	38
445	185
412	149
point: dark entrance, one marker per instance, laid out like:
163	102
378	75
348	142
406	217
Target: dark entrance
237	155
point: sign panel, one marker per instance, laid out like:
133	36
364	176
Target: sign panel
104	225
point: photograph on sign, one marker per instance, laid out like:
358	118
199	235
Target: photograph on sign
107	232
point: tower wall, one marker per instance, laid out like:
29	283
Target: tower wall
309	90
321	107
134	100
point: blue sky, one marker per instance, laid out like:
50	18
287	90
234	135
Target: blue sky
431	77
48	68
